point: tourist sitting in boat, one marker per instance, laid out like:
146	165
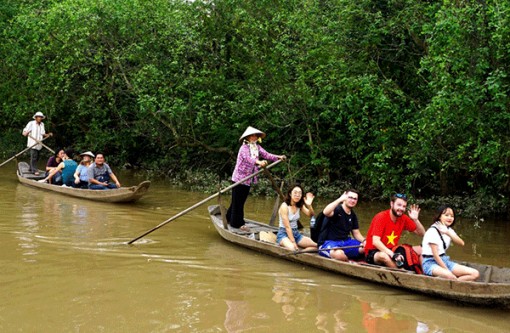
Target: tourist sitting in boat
81	176
437	239
53	163
66	168
100	175
288	235
385	231
339	223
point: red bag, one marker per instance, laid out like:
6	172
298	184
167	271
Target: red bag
412	261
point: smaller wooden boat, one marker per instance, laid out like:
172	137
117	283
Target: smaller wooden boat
123	194
491	289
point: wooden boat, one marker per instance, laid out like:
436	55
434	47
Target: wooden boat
123	194
492	288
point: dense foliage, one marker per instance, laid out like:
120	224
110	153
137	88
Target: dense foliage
393	95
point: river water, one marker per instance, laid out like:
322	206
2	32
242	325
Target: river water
66	268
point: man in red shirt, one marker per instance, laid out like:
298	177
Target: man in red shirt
386	229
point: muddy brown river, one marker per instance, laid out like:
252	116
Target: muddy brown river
66	268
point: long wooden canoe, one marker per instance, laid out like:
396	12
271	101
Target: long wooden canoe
491	289
123	194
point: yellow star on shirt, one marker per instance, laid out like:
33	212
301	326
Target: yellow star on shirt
391	238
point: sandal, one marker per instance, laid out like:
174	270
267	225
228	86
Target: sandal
244	227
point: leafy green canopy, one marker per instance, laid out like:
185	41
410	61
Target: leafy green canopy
386	96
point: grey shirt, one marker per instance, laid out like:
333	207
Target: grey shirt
95	172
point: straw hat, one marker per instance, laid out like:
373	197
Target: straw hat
88	153
39	114
252	130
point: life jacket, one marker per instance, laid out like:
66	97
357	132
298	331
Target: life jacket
412	261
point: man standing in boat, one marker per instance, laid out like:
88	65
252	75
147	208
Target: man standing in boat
35	131
100	175
340	222
386	229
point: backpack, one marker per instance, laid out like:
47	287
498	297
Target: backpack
412	261
315	230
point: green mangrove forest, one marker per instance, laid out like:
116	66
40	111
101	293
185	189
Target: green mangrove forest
380	95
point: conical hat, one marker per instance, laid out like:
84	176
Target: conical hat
88	153
252	130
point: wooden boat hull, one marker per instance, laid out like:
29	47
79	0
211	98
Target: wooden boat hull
123	194
492	289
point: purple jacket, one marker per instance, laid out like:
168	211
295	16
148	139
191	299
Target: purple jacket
246	165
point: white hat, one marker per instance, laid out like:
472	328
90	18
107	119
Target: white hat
252	130
88	153
38	114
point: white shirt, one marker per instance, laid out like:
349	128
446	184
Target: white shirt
35	130
432	236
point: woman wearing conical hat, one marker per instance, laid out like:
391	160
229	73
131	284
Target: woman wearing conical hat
251	156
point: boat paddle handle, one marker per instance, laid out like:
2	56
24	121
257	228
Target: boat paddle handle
319	250
203	201
24	150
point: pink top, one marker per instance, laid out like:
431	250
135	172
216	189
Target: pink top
246	165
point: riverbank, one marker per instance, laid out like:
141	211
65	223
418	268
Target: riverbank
476	206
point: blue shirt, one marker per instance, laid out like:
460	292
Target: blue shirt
68	171
83	173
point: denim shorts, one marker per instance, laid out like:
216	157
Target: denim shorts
283	234
351	253
429	263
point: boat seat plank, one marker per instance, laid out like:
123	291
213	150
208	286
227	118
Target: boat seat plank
253	230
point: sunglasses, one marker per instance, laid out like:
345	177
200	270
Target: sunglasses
400	196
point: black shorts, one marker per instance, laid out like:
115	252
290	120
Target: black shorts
370	257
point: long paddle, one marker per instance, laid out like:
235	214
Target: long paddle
273	183
40	142
203	201
276	207
320	250
21	152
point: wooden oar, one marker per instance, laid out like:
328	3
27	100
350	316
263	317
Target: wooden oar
21	152
273	183
203	201
40	142
320	250
281	197
275	208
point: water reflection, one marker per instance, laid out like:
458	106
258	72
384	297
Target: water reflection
312	300
30	222
65	263
377	318
62	222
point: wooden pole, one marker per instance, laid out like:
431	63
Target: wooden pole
222	211
273	183
202	202
320	250
40	142
21	152
275	207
